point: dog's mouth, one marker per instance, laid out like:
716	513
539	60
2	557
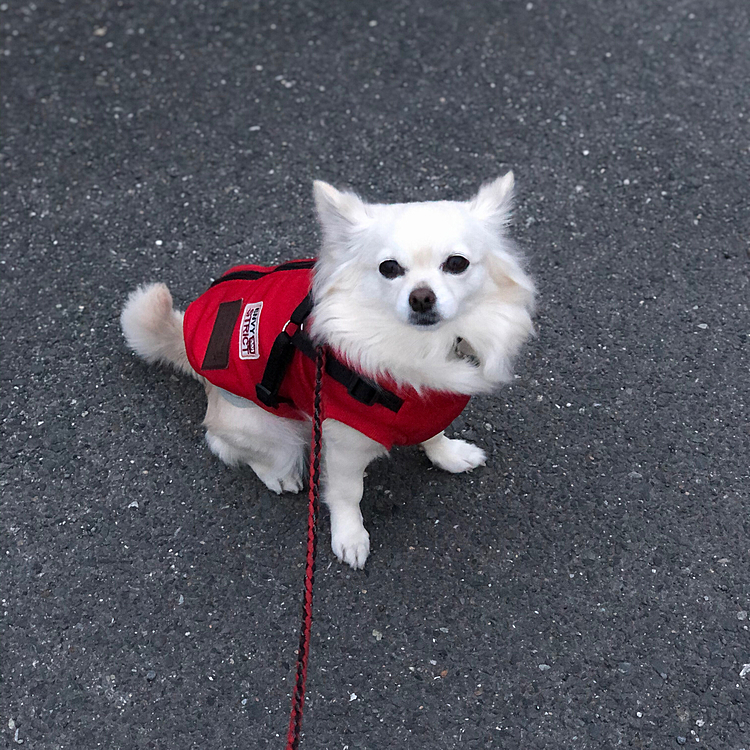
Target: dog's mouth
424	319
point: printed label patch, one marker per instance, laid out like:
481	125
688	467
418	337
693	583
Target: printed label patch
249	331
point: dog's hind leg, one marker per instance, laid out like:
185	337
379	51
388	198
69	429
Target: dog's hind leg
273	447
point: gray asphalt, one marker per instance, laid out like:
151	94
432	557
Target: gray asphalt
588	589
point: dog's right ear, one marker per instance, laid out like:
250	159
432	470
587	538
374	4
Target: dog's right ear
339	212
494	201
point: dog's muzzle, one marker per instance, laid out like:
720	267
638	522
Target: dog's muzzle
422	302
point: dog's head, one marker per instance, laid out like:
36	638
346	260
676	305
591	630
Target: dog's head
422	263
431	294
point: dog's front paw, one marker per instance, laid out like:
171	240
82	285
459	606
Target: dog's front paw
351	544
455	456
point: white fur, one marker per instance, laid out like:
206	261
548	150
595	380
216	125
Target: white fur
484	314
454	455
153	329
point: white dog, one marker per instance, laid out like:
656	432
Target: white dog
423	300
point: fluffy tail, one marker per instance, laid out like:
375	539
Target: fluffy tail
153	328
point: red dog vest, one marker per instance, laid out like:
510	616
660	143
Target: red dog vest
230	333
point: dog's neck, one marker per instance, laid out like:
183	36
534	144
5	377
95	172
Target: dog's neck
469	355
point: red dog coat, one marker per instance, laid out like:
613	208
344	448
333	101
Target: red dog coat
230	332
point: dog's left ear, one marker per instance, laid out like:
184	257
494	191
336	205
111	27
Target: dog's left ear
338	211
494	201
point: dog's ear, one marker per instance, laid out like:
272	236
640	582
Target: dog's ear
494	201
338	211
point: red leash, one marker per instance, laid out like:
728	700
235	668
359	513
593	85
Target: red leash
298	695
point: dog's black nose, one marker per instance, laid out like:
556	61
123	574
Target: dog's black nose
422	299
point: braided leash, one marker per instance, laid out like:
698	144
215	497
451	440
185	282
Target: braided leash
298	695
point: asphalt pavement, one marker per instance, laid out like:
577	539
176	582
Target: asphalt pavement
590	588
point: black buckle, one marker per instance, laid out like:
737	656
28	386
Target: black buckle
363	391
266	396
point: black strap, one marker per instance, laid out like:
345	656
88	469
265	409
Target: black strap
278	363
280	357
302	310
251	275
360	388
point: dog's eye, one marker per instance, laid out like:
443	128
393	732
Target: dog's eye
455	264
391	269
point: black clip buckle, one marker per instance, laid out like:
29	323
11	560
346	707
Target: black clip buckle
266	396
364	392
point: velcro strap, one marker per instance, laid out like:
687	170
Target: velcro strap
217	351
